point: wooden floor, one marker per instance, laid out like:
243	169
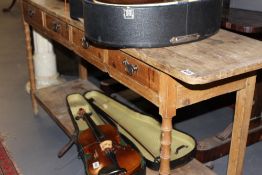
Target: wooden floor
192	168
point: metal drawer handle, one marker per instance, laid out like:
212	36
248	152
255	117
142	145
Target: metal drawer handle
56	26
31	13
130	68
85	43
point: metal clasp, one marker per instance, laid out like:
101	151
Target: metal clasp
31	13
185	38
56	26
85	43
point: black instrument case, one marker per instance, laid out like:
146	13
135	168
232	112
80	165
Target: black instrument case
76	9
152	24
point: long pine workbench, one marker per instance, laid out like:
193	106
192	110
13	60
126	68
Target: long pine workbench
170	77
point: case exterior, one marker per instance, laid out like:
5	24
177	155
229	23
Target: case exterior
76	9
151	25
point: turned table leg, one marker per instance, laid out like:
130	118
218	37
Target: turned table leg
83	73
30	64
244	101
167	109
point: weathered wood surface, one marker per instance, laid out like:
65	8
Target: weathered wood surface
53	100
192	168
221	56
240	20
57	8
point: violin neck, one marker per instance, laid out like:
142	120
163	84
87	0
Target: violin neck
95	130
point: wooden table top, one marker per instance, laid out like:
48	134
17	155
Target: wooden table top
240	20
221	56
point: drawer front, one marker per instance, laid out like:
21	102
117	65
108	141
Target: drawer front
133	69
32	15
87	52
57	27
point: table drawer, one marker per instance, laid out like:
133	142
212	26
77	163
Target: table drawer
133	69
58	28
32	15
87	52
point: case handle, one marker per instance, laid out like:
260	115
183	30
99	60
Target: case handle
31	12
85	43
56	26
130	68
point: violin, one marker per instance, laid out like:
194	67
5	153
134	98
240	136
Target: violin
107	155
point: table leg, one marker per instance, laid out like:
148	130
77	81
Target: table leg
167	109
30	64
83	73
244	101
8	9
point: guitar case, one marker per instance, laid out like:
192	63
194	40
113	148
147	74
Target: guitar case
77	101
158	23
142	131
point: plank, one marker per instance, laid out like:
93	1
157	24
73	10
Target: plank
194	167
53	100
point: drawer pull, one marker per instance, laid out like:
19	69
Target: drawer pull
56	26
130	68
31	13
85	43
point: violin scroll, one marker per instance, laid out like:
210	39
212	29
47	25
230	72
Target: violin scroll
81	114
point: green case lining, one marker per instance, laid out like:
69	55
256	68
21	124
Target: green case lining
143	130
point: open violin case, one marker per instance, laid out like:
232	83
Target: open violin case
139	130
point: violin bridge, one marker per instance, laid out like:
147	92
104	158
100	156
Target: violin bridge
107	144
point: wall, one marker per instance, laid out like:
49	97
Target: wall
255	5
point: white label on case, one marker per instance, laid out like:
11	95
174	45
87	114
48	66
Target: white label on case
96	165
129	13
